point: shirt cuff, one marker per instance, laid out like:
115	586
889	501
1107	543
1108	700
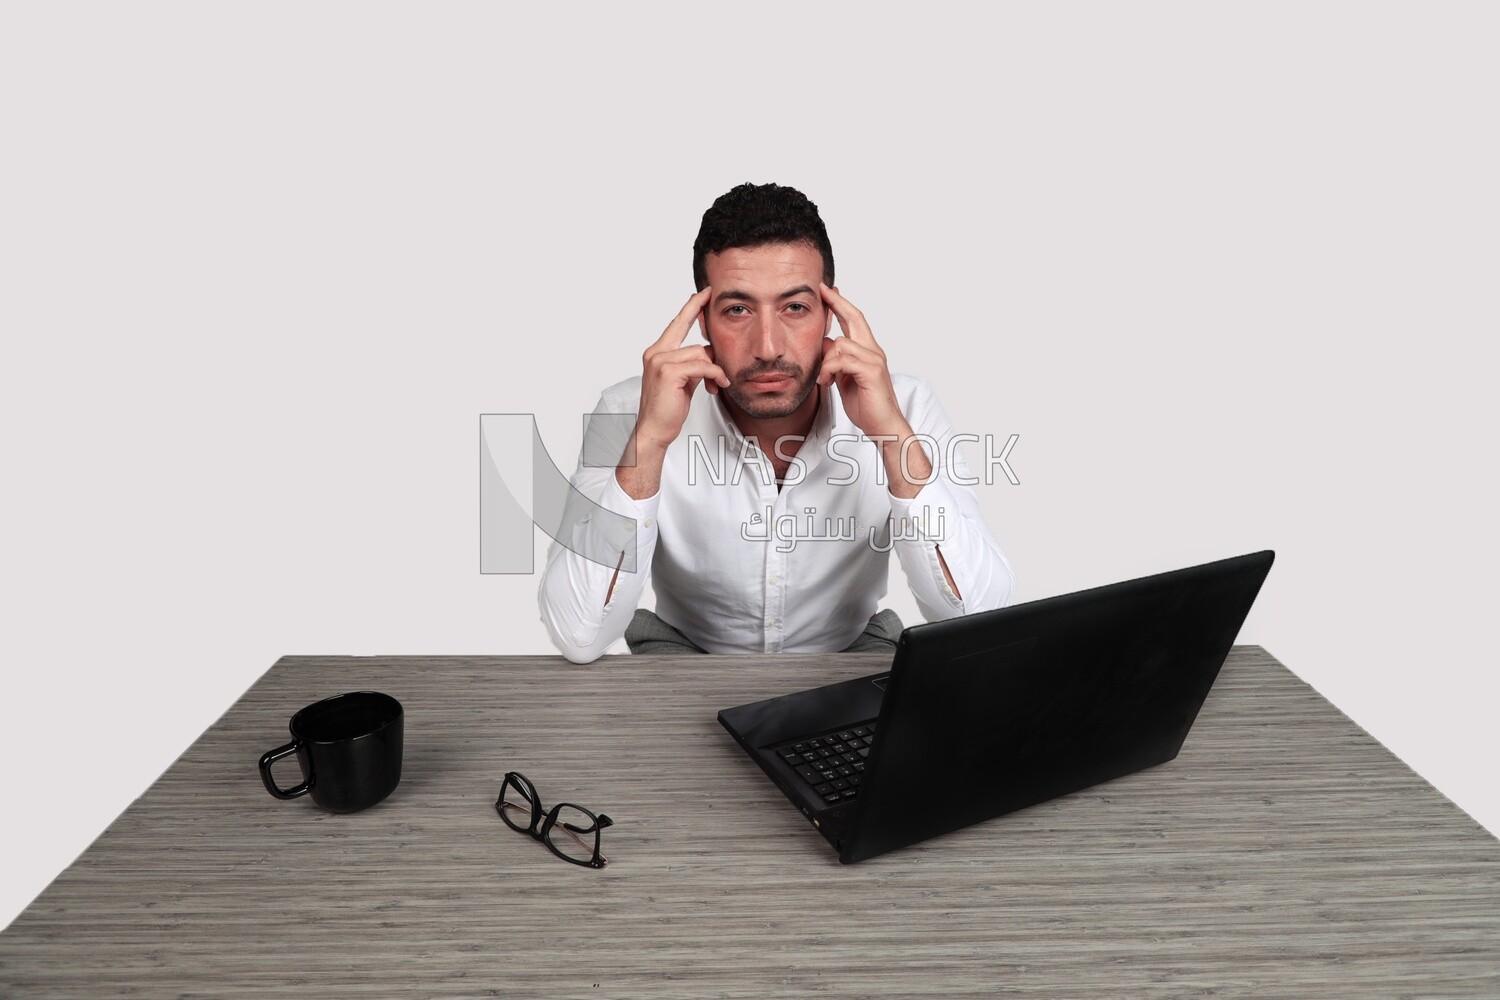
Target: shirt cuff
632	531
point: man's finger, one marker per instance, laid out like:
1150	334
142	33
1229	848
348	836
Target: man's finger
834	365
854	349
851	320
862	373
684	371
677	330
712	385
829	358
691	352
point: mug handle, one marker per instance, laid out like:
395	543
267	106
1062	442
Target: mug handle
271	757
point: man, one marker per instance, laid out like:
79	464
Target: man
764	477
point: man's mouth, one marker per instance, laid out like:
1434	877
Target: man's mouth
770	383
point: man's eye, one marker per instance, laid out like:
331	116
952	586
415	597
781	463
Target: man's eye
731	311
798	307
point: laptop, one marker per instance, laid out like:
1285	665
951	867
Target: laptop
995	711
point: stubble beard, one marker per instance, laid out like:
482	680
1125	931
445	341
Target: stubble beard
761	408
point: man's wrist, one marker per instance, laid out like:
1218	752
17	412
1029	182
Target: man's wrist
642	480
649	440
907	466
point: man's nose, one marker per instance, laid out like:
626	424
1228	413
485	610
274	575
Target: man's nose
769	342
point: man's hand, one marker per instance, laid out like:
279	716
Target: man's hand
858	363
670	375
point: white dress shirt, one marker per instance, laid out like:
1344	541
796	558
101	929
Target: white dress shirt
739	566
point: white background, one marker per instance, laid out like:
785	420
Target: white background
1230	272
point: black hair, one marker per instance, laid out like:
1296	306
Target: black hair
752	215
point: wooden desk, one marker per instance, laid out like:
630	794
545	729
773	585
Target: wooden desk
1284	853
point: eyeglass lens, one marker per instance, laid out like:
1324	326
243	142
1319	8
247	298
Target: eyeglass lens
516	806
575	835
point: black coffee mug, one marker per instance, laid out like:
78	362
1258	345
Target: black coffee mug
349	749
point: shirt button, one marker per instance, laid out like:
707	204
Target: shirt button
774	580
776	623
648	522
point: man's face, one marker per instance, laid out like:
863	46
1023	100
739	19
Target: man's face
766	323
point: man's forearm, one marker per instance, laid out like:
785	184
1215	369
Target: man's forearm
906	460
639	481
643	479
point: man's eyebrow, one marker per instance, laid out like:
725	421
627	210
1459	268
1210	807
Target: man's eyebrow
747	297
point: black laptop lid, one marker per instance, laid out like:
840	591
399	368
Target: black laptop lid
996	711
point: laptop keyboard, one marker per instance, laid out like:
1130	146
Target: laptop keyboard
832	763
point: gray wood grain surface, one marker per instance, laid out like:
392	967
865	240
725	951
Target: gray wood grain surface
1284	853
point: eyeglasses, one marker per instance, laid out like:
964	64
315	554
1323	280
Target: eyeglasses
571	832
